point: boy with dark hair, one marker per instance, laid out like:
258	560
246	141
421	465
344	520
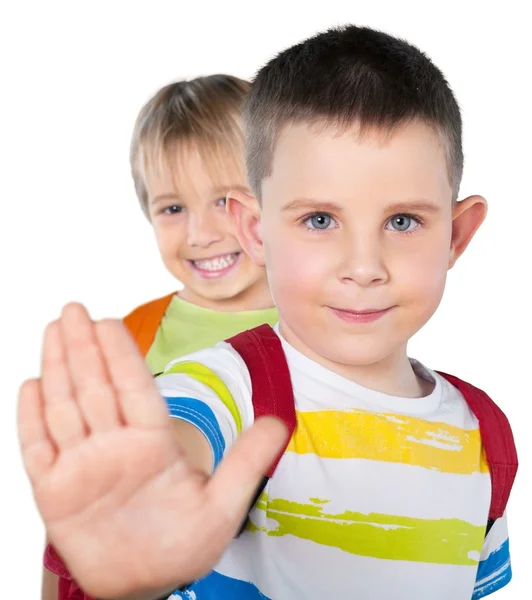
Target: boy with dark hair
394	481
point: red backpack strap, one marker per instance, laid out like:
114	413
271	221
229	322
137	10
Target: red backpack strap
144	321
67	588
52	561
498	442
271	386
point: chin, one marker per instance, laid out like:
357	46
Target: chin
226	292
358	353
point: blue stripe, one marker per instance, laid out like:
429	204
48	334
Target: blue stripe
199	414
494	572
216	586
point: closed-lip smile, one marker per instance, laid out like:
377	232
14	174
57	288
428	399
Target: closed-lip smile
366	315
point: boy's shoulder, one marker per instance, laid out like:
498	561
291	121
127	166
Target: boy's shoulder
258	347
221	359
143	321
140	312
253	365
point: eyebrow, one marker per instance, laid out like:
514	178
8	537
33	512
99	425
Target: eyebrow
223	189
326	206
309	204
413	206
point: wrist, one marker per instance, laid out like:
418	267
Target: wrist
158	594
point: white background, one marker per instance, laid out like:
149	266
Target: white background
75	74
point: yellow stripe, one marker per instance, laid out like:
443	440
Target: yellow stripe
441	541
209	378
390	438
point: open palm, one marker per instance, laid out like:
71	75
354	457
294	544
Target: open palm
120	501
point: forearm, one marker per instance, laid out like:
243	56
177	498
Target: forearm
193	443
50	583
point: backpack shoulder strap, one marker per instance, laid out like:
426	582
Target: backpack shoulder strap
53	562
67	588
498	442
271	386
272	394
144	321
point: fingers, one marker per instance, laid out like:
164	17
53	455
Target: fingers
140	403
89	375
64	420
235	482
38	450
94	379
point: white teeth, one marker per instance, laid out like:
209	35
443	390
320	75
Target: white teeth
216	264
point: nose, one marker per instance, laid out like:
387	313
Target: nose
363	262
203	230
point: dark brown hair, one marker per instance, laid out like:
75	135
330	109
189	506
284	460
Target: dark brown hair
344	76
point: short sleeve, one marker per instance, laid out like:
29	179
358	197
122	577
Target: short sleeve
211	389
494	569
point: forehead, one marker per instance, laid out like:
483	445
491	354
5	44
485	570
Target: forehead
374	163
188	167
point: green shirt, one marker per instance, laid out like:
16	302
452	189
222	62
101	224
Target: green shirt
187	327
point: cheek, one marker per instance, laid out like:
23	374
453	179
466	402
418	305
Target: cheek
422	274
296	270
227	224
170	238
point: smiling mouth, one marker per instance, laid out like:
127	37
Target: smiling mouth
215	266
360	316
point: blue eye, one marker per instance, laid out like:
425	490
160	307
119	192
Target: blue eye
402	223
319	221
172	210
221	202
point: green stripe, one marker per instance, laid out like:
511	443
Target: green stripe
441	541
209	378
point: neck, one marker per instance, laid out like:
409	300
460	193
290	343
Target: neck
392	375
256	297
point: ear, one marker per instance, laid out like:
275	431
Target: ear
245	212
468	216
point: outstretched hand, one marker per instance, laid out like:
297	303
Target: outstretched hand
120	501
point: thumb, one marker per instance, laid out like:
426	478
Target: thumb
235	482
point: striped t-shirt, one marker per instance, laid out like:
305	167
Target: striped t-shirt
376	497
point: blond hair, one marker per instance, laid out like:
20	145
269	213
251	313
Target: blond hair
204	111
